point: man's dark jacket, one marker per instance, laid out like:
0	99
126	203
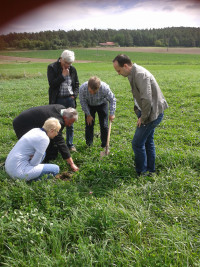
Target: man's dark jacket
35	118
55	78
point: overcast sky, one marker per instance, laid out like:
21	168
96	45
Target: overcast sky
108	14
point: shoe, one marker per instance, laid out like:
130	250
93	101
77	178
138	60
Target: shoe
72	148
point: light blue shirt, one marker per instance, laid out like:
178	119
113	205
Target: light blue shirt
102	95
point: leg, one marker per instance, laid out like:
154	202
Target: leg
70	136
103	121
138	145
150	146
89	129
143	146
150	152
68	102
50	169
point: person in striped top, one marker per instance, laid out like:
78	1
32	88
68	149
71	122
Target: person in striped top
94	96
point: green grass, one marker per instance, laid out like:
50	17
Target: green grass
108	56
105	216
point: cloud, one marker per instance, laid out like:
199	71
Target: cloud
104	14
168	8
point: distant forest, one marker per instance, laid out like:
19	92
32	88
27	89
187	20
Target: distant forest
166	37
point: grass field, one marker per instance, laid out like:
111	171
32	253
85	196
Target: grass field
105	216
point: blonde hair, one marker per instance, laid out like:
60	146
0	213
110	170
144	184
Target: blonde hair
51	124
94	83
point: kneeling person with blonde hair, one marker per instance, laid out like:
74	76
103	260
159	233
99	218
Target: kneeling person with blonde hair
24	160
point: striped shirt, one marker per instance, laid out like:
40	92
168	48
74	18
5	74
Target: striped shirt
103	95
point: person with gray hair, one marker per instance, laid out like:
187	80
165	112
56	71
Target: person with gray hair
24	160
36	116
64	87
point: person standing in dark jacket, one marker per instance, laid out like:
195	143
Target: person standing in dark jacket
36	116
64	87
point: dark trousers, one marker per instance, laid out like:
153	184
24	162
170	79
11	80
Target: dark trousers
102	111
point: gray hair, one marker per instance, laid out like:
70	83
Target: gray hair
70	113
68	56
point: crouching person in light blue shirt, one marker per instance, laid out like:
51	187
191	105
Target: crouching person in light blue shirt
24	160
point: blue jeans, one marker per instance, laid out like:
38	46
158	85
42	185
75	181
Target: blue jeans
68	102
143	146
50	169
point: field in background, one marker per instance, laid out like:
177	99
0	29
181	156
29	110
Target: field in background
105	216
148	55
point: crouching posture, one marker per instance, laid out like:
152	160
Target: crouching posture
24	160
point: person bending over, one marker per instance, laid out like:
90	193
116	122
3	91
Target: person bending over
35	117
149	108
94	97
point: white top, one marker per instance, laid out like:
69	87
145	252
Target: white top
24	159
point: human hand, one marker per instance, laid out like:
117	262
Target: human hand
65	72
111	118
89	119
139	122
74	167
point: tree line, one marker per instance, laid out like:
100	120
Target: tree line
166	37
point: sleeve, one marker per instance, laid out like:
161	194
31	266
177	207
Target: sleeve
40	145
83	102
54	78
143	83
76	88
62	146
37	158
111	98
